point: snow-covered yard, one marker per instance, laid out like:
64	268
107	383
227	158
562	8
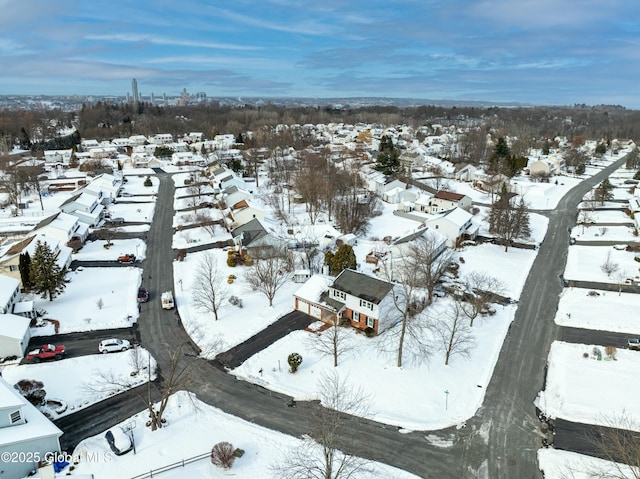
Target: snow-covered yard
557	464
192	429
80	382
585	263
134	183
200	235
624	234
95	250
234	324
588	390
609	311
133	212
433	395
77	307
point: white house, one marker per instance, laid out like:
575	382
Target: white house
23	431
456	225
14	335
9	293
63	227
86	206
364	301
244	211
446	200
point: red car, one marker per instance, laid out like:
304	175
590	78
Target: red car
127	258
48	351
143	295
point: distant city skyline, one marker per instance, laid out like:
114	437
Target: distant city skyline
546	52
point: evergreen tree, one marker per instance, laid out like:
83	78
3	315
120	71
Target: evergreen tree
47	278
508	220
343	259
24	266
604	191
388	160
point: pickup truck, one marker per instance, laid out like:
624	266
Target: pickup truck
127	258
48	351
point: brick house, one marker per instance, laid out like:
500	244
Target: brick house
362	300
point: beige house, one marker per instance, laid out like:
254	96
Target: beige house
446	200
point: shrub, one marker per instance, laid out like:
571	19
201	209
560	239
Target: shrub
231	261
234	300
182	254
611	351
247	260
369	332
147	181
294	360
32	390
223	455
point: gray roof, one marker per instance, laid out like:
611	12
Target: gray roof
250	232
362	286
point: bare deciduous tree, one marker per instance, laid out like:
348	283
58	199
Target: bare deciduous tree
482	288
208	290
609	266
177	377
271	270
454	333
323	459
619	444
334	341
431	258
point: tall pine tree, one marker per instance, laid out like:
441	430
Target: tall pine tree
47	278
24	266
388	160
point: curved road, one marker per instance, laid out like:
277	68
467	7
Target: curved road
499	442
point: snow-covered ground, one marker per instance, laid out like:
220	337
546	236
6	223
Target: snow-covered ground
132	212
609	311
587	390
192	429
585	263
82	381
234	324
557	464
95	250
77	307
134	183
624	234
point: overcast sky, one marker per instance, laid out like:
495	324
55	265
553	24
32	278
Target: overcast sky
534	51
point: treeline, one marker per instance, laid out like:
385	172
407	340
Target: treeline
103	120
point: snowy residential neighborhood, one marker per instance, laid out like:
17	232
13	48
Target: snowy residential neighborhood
337	312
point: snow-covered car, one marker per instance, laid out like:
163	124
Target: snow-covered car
620	247
633	343
119	441
113	345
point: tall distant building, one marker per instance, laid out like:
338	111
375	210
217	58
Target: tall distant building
134	90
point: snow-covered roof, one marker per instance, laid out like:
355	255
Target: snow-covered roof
458	216
314	287
36	426
14	326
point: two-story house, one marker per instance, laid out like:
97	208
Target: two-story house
446	200
87	207
24	431
456	225
364	301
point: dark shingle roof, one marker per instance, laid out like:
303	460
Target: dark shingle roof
362	286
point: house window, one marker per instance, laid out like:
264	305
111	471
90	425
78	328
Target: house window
15	416
356	317
371	322
366	304
14	267
339	294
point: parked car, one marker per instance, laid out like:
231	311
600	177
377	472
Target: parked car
633	343
143	295
48	351
116	220
127	258
119	441
125	194
113	345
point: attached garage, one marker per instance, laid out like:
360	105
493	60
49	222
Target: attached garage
14	335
